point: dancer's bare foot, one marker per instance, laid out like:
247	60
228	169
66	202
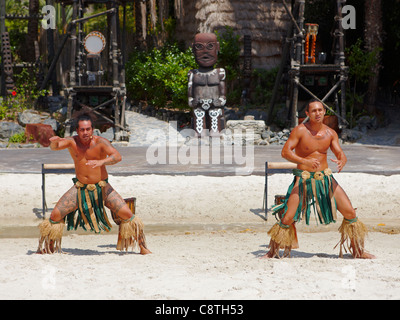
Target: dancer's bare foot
365	255
267	256
273	250
48	249
144	250
358	251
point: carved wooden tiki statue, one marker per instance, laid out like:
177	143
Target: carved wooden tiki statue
206	86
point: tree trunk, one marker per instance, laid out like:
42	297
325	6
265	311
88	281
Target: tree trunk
32	34
153	13
140	20
179	11
373	41
163	6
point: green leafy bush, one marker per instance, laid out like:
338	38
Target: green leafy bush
360	63
19	137
160	76
229	59
22	98
229	54
264	84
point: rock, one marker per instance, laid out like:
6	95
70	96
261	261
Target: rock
262	142
230	114
274	139
27	146
52	122
241	129
258	126
279	137
367	121
7	129
248	118
257	114
108	134
13	145
28	116
286	132
252	112
56	103
266	134
351	134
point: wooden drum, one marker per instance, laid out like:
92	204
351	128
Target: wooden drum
131	202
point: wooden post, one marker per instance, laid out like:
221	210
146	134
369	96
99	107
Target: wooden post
274	166
114	53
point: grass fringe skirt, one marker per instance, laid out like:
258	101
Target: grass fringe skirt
315	191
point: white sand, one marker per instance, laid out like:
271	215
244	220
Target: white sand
206	235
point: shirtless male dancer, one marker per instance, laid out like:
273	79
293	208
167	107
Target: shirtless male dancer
314	186
91	155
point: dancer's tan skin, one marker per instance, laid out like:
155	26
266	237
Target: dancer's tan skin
90	154
308	146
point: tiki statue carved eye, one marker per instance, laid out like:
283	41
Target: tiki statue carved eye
202	46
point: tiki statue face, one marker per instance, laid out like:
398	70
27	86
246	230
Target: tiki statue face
205	49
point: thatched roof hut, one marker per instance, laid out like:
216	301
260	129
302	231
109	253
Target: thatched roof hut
265	21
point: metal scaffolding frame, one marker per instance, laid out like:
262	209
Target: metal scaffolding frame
111	108
293	63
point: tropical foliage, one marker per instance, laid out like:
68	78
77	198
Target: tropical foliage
23	97
159	76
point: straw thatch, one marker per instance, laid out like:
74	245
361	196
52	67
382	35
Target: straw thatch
264	20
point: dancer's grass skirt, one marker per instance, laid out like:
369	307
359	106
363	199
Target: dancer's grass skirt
91	211
315	191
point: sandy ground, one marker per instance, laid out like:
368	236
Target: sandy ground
207	235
